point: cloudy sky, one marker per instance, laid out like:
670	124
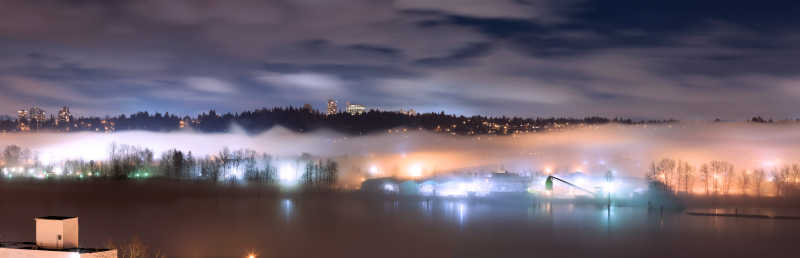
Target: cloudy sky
642	59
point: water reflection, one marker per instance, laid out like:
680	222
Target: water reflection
287	207
462	211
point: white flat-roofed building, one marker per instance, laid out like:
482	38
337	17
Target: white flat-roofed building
56	237
356	109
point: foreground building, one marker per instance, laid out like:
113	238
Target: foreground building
56	237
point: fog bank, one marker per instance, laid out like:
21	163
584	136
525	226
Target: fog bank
625	149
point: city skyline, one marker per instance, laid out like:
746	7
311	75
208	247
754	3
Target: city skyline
516	58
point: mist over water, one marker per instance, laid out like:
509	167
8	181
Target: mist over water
593	149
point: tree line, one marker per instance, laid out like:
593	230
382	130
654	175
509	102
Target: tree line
721	178
304	120
126	162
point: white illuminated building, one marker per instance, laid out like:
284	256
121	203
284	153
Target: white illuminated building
356	109
56	237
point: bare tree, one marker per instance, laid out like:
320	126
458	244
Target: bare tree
744	181
687	175
705	176
728	175
722	173
781	180
12	155
667	168
758	180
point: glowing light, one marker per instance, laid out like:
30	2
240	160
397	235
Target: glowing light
236	173
548	170
75	255
426	189
415	170
46	158
457	189
389	187
771	163
251	256
373	170
288	174
58	170
609	187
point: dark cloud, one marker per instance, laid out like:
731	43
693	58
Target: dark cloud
672	59
458	56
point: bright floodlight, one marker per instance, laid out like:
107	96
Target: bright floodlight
45	159
388	187
771	163
415	170
58	170
373	170
287	174
609	187
548	170
237	173
251	256
75	255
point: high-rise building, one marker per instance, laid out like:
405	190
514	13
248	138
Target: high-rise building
22	120
356	109
332	108
36	113
36	117
22	116
64	116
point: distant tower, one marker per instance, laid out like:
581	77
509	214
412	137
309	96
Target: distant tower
307	107
332	108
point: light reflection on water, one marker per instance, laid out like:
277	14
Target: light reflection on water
286	227
287	207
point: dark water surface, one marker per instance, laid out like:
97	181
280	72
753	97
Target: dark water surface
350	226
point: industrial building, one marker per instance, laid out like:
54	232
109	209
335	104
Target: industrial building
56	237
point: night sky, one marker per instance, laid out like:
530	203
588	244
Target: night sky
641	59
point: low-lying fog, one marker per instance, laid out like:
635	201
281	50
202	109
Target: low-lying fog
596	149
